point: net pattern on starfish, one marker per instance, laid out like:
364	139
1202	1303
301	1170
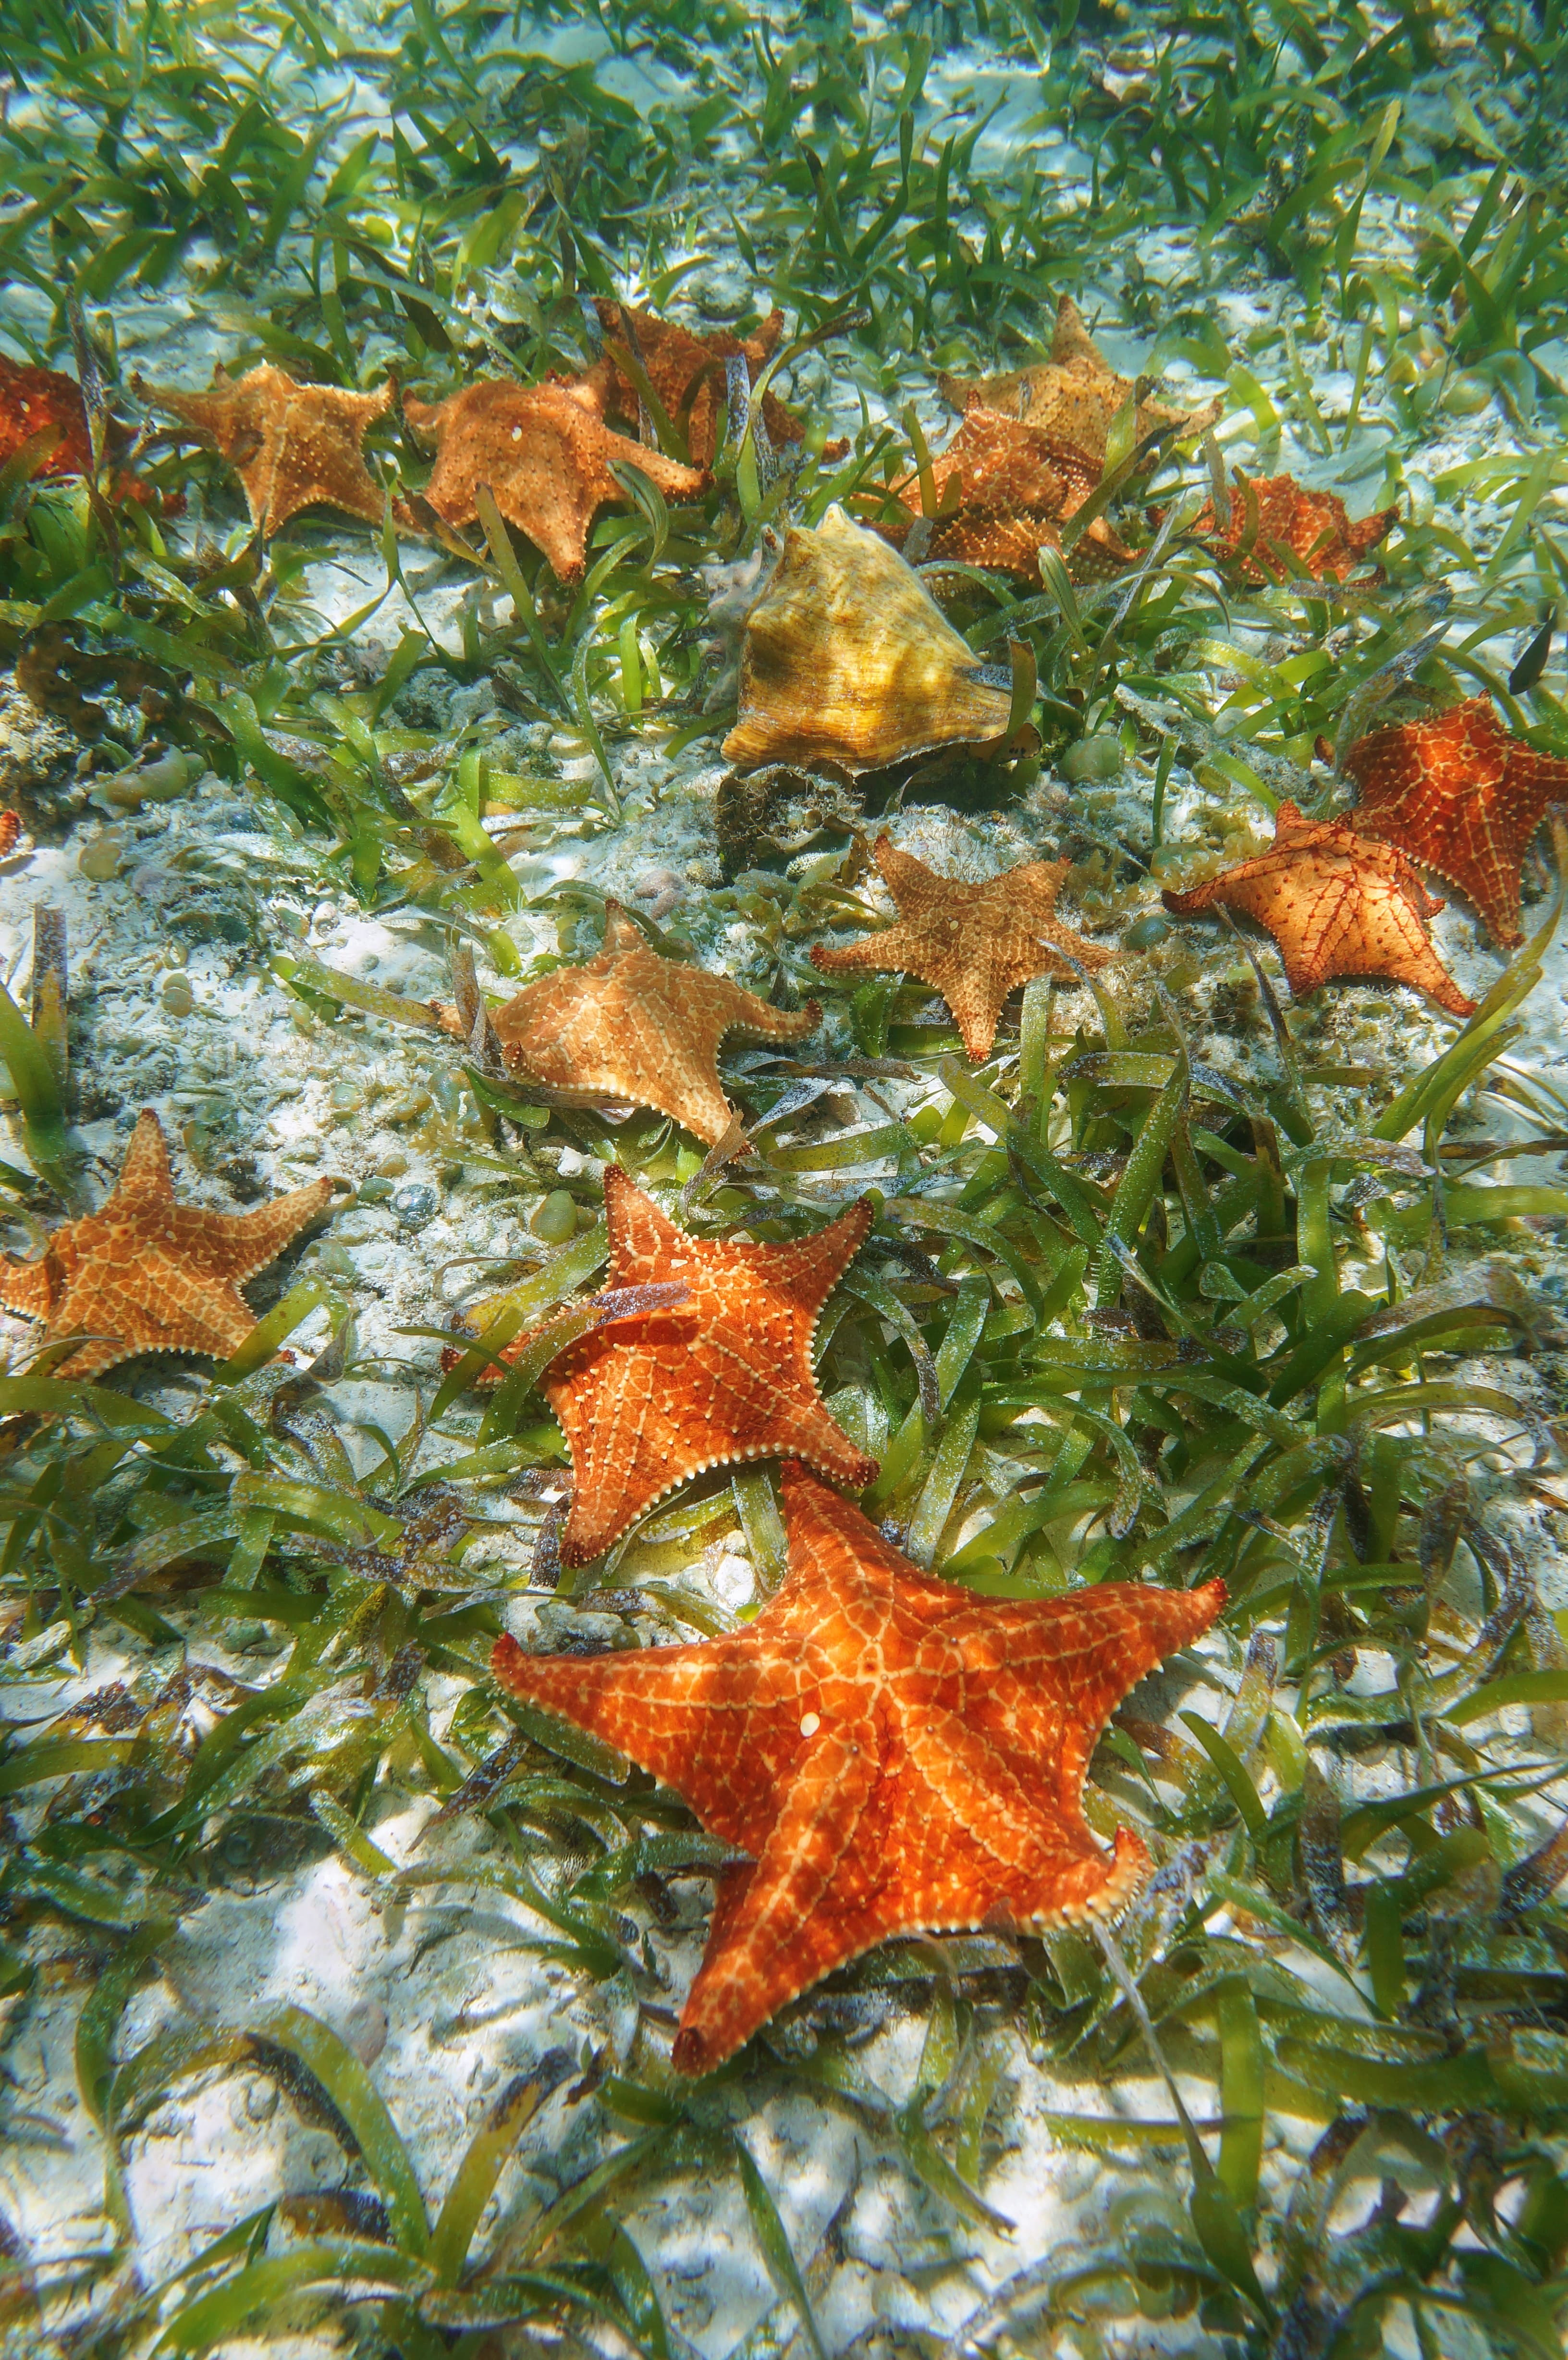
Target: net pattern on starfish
292	446
1337	904
975	943
1463	797
725	1378
1315	526
632	1024
1003	492
895	1754
1074	395
547	457
145	1275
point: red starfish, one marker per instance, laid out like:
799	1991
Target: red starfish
1336	903
1463	797
1314	526
895	1754
1004	491
726	1377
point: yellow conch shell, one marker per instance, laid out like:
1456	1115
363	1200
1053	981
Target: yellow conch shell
849	661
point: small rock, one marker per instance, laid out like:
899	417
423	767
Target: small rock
414	1203
365	2029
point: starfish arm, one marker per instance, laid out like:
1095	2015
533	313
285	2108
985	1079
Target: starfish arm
808	1270
642	1240
28	1288
144	1178
895	950
710	1720
807	1902
234	1246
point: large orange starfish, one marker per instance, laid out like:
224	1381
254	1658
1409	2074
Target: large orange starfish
1315	526
725	1378
1076	393
292	445
894	1753
1337	904
1463	797
546	456
632	1024
1004	490
972	942
144	1274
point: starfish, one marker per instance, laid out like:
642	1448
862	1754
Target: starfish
1315	526
633	1025
292	445
725	1378
1074	395
683	369
33	400
1463	797
895	1754
1337	904
972	942
545	456
1004	491
144	1274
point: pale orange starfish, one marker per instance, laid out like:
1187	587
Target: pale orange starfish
975	943
145	1275
632	1024
292	446
895	1754
545	455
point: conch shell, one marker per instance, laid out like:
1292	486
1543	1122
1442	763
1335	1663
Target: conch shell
849	661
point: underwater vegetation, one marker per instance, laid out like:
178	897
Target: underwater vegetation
627	1346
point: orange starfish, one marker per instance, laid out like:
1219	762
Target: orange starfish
1074	395
292	446
144	1274
1315	526
34	400
1004	490
633	1025
1463	797
545	456
685	368
725	1378
894	1753
972	942
1337	904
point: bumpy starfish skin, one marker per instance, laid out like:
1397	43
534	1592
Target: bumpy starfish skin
1074	395
292	445
1337	904
725	1378
633	1025
1314	526
1463	797
1004	490
894	1753
144	1274
972	942
545	454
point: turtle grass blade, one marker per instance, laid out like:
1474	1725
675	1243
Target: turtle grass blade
474	2180
36	1087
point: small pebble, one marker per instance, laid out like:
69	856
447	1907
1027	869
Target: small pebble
415	1204
98	860
1145	934
1092	758
555	1218
177	996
